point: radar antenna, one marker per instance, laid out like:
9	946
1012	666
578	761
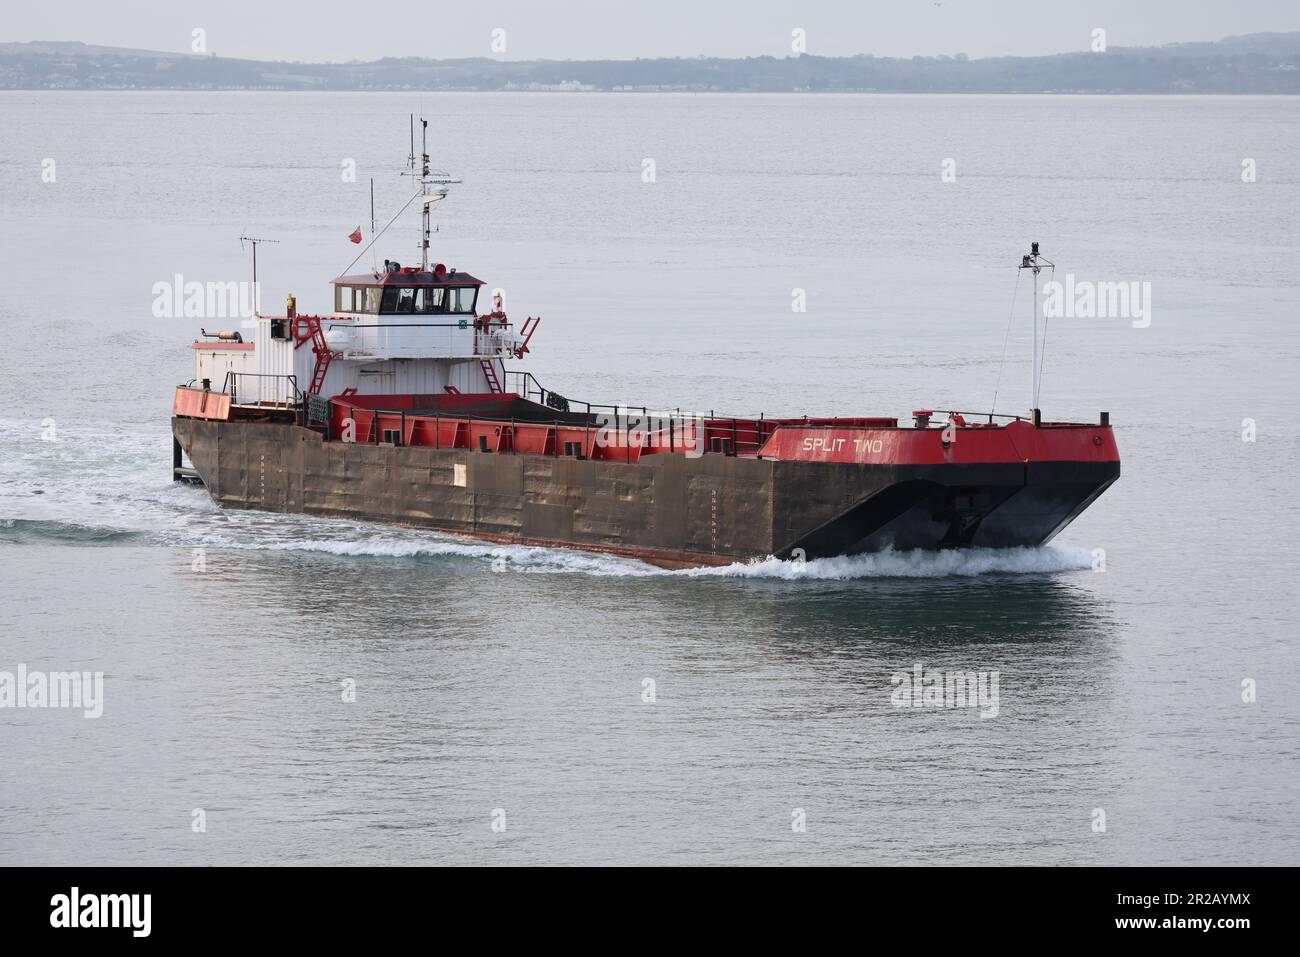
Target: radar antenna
433	187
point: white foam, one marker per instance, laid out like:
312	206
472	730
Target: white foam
538	560
912	564
521	558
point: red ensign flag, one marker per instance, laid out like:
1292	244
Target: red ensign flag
355	235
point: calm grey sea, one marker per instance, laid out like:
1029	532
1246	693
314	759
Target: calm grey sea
508	684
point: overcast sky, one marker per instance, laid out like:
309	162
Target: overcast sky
594	29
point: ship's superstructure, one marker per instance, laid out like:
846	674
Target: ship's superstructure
396	331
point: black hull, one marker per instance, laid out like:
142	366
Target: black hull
963	506
666	509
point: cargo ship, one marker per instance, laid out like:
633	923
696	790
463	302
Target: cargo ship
399	408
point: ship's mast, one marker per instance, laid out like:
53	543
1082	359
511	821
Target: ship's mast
257	298
424	181
1035	262
433	186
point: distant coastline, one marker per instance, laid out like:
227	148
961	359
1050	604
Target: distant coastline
1261	63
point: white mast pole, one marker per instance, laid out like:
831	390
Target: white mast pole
427	195
257	297
1034	262
424	188
1033	405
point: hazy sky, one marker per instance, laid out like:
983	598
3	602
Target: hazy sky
590	29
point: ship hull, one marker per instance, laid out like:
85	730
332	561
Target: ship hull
671	510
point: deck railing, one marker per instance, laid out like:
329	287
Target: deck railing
605	432
262	389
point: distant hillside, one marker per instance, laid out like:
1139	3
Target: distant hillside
1257	63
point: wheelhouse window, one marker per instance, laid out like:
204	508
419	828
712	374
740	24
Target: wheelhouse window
461	298
429	299
415	300
366	299
343	299
398	301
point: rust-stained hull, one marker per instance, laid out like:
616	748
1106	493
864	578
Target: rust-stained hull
668	510
671	510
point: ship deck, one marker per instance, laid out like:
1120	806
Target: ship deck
507	423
